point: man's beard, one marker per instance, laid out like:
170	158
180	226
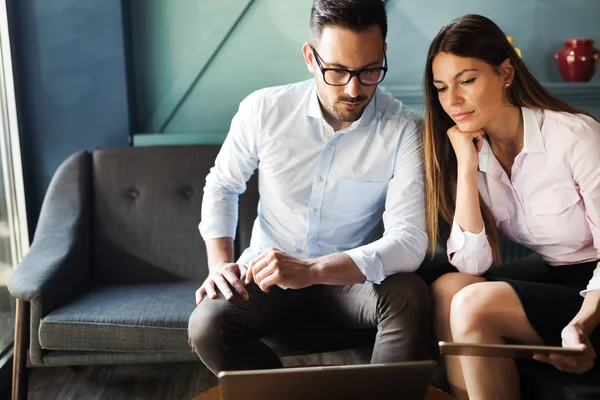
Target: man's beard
343	114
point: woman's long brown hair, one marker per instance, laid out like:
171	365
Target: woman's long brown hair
472	36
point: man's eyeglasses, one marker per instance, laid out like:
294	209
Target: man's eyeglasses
341	77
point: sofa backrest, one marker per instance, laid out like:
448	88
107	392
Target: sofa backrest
146	209
147	206
248	207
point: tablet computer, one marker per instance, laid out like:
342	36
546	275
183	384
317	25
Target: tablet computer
503	350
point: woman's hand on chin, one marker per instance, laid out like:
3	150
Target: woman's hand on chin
466	145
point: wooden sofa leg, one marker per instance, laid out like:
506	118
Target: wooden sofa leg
20	372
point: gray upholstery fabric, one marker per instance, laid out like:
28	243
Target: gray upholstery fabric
248	204
56	267
128	318
35	349
153	317
59	358
147	204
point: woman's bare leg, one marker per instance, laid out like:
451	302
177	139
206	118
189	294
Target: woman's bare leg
443	291
490	312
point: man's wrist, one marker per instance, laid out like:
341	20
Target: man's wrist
317	268
218	264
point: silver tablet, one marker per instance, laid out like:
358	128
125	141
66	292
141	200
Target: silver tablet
503	350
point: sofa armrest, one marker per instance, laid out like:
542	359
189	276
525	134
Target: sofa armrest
56	267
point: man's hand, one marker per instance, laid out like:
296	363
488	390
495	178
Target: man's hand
572	337
274	267
222	275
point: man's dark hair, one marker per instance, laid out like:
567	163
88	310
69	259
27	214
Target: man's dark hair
356	15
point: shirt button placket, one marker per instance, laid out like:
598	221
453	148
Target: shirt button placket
316	198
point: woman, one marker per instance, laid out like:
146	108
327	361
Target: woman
501	151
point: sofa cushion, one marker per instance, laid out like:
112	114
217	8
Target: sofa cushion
147	205
154	317
131	318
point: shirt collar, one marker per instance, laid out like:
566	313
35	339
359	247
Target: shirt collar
533	141
313	109
484	156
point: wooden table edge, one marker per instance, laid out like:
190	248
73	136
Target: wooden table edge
433	393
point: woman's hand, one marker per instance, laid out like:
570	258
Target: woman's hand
572	337
466	146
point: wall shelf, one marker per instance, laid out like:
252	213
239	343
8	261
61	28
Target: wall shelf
577	94
176	139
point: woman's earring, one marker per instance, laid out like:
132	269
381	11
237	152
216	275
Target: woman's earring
506	84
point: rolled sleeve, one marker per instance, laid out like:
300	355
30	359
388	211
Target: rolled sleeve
469	252
218	226
368	263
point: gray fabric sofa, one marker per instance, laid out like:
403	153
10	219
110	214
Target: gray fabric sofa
116	259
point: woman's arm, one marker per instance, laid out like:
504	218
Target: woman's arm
468	248
588	317
468	211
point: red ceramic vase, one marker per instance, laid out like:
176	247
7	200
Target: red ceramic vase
577	62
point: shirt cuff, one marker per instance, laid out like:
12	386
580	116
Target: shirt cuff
368	262
467	240
218	227
594	283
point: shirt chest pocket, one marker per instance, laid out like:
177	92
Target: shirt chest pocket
554	202
557	217
351	198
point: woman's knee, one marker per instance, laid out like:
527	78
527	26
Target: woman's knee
472	307
493	309
443	291
446	286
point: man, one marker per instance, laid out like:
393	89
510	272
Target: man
333	154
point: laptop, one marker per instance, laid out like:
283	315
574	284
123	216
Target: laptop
407	381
